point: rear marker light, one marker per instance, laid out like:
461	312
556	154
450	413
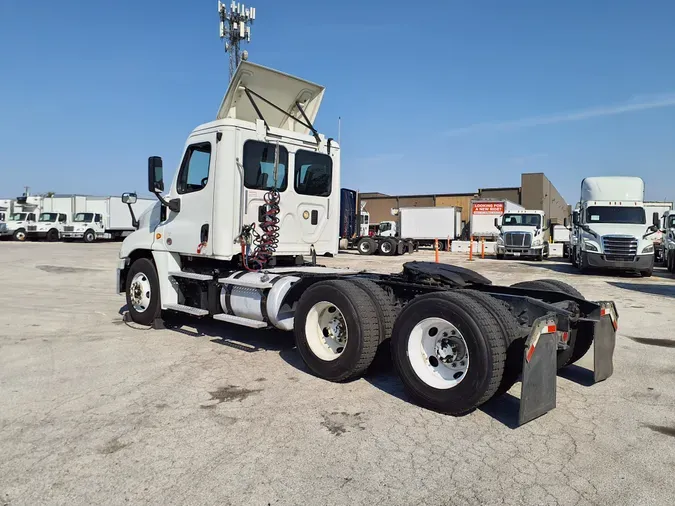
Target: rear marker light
565	337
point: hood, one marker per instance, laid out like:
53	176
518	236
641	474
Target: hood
520	228
603	229
281	89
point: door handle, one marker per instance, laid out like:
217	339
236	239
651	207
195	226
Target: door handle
204	236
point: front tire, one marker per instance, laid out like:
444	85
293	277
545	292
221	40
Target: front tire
647	273
449	352
89	236
19	235
337	329
53	235
142	291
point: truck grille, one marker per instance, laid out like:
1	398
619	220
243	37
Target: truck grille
620	248
518	239
31	228
68	228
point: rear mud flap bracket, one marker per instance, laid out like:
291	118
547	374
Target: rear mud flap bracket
538	393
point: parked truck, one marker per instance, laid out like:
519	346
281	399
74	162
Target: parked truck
522	233
102	218
416	227
213	247
483	214
24	212
668	224
658	237
612	226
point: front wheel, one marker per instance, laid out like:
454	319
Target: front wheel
142	291
53	235
647	273
89	236
20	235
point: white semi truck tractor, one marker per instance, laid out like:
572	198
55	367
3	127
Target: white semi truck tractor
522	233
256	195
612	227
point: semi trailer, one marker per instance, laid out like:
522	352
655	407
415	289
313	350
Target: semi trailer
235	239
611	226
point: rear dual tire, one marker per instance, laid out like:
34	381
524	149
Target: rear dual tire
449	352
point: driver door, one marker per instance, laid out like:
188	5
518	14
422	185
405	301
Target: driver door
189	230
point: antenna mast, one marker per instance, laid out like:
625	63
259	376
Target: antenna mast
234	28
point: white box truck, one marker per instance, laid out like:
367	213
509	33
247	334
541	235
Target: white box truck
483	214
209	249
416	226
25	212
658	237
102	218
612	226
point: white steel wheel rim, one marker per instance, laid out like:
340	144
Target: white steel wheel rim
20	236
438	353
365	247
140	292
386	247
326	331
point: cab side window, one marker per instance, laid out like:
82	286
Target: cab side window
31	217
62	218
259	166
97	218
194	171
313	173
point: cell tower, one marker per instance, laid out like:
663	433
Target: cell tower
234	28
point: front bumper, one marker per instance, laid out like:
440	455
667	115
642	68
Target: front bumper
72	235
520	252
639	263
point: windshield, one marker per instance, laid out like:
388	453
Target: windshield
47	217
385	226
18	217
606	214
671	221
86	217
527	220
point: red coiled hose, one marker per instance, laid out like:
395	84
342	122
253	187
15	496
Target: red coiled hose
267	242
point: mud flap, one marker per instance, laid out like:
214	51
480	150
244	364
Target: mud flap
538	393
604	340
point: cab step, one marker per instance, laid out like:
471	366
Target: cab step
244	283
191	275
194	311
246	322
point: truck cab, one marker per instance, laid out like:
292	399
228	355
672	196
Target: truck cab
669	240
611	226
522	233
17	224
85	226
49	226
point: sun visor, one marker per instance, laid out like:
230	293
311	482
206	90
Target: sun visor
280	89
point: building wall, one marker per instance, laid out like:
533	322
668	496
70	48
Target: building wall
512	194
463	201
539	193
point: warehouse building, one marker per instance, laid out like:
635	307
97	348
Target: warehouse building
535	192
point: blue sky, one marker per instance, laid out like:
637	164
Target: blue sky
442	96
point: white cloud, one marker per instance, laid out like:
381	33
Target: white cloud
638	103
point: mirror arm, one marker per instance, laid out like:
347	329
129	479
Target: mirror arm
134	221
173	204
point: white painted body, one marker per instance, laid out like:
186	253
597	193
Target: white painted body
224	203
107	217
532	239
617	192
24	211
483	223
561	234
428	223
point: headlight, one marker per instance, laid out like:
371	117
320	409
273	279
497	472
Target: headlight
500	240
590	246
649	249
537	242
